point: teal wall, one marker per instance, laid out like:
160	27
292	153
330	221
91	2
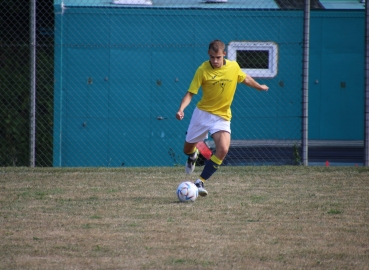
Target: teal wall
118	115
336	56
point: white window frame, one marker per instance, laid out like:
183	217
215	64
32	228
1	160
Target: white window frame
272	47
132	2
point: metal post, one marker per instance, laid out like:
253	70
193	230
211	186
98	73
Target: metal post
366	109
32	82
305	84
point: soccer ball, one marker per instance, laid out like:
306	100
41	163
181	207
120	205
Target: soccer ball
187	192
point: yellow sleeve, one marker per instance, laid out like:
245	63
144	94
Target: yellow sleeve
241	75
196	82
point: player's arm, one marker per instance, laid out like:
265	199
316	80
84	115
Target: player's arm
249	81
185	101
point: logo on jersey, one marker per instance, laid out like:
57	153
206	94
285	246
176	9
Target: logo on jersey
222	85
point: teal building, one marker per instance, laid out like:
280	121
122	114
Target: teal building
122	68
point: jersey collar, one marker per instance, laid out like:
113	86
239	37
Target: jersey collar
224	63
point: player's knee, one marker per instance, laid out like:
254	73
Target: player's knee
189	149
221	152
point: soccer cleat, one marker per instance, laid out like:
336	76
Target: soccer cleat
191	162
200	187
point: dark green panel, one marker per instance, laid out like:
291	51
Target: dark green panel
130	82
86	29
129	107
248	102
343	36
167	141
129	142
172	75
86	85
210	27
130	30
315	101
336	98
85	142
253	128
173	31
342	107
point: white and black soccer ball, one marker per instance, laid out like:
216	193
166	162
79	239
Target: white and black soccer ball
187	192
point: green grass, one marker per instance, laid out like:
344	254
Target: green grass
129	218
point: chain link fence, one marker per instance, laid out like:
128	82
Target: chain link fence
15	82
110	75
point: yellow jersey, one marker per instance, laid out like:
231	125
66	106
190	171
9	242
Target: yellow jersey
218	87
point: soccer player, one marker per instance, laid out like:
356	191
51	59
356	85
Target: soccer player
218	78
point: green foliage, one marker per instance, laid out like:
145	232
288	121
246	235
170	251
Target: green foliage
15	106
296	155
44	108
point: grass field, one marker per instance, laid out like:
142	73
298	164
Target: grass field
130	218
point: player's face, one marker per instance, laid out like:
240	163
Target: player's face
216	58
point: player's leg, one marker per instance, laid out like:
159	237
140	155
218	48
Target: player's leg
222	141
221	134
197	132
191	151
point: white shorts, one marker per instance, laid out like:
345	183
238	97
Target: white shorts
203	123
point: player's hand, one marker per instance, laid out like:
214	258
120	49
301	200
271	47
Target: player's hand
263	87
180	115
